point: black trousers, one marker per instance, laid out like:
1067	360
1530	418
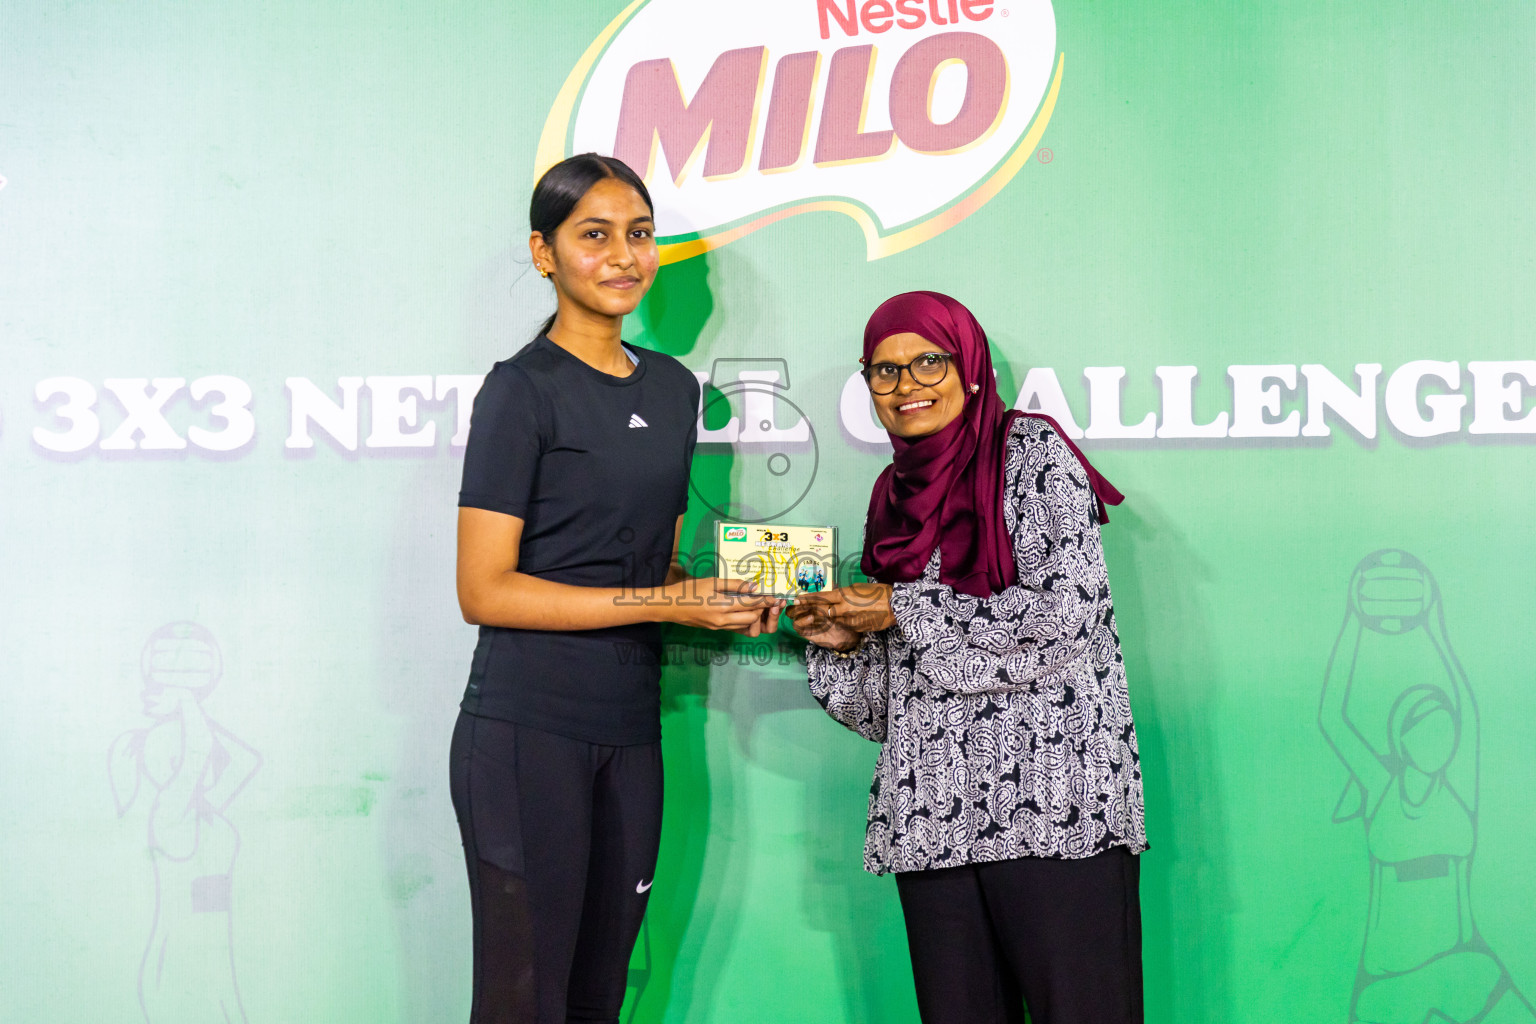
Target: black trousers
1062	936
560	837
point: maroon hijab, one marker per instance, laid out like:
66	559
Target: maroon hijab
946	490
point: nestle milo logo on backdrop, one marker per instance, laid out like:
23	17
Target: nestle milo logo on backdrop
905	115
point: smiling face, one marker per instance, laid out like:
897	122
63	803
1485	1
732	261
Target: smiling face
913	409
603	257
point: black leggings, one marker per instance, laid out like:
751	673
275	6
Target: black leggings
1063	936
560	837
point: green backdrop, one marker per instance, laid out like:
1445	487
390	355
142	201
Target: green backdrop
330	191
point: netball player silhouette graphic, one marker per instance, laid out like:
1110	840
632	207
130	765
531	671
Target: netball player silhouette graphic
1398	712
195	768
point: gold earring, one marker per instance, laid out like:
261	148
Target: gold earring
542	272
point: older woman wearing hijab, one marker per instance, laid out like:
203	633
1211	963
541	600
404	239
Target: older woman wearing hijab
983	657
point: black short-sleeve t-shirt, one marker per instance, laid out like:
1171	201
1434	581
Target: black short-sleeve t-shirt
596	466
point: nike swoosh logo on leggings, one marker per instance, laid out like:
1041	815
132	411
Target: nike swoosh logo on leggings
640	887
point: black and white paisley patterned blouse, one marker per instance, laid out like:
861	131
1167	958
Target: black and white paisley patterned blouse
1005	722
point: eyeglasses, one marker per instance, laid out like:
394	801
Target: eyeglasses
927	369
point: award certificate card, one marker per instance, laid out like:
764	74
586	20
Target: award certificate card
784	561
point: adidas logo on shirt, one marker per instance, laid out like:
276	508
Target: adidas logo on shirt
636	421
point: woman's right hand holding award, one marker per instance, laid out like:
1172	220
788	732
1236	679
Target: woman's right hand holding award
812	621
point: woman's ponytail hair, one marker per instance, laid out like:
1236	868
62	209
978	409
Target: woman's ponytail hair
563	186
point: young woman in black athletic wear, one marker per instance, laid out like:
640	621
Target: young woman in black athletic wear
575	483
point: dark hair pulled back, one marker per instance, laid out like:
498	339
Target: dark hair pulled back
563	186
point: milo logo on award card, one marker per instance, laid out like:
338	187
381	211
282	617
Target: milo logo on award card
905	115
